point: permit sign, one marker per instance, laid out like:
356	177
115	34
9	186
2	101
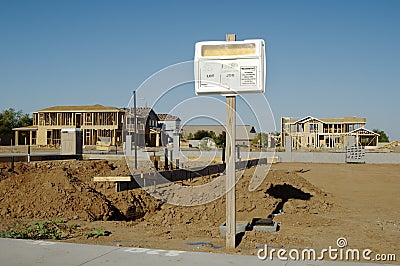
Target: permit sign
222	67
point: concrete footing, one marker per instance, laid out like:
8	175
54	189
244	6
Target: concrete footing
241	227
260	224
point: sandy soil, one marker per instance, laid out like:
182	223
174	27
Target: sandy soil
320	203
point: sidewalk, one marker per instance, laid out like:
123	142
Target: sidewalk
30	252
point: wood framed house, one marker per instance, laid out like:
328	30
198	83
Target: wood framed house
312	133
148	132
95	121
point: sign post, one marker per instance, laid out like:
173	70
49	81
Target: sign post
231	166
135	138
229	68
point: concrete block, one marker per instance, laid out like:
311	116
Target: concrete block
241	227
260	224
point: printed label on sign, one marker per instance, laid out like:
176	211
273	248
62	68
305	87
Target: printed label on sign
248	76
229	75
210	73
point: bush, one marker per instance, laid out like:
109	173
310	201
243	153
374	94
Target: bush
98	232
36	230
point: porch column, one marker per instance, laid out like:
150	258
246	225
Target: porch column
16	138
157	140
30	137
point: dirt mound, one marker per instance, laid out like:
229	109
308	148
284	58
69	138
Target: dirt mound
135	204
281	192
391	146
64	189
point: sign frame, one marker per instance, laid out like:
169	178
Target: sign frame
230	68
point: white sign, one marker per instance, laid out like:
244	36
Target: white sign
230	67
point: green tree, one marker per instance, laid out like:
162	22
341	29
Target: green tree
10	119
25	121
200	134
382	135
190	136
220	139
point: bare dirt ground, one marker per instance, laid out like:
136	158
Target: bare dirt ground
320	203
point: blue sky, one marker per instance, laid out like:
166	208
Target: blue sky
325	58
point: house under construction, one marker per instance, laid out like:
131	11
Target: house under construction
310	132
95	121
148	132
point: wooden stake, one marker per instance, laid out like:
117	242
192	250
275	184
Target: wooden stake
230	167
